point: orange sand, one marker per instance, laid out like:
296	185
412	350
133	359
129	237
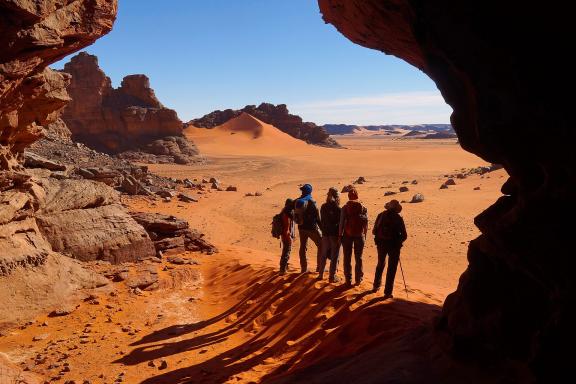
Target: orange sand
233	319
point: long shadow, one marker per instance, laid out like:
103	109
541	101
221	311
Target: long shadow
305	328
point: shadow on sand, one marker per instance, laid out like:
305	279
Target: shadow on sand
287	323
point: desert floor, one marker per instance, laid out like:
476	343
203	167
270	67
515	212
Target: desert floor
232	318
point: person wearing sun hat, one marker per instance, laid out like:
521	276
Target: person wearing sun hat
389	234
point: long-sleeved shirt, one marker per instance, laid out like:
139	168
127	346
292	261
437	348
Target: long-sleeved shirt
287	226
330	218
390	227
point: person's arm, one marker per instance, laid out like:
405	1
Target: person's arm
376	223
317	213
403	234
286	226
365	212
342	221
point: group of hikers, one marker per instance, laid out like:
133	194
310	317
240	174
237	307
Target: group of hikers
333	226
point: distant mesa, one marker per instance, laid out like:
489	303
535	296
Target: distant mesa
425	131
126	119
276	115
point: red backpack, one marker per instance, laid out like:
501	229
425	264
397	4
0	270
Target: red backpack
355	219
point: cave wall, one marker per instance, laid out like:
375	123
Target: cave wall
503	68
34	34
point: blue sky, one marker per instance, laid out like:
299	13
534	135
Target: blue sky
217	54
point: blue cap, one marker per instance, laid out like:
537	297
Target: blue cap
306	189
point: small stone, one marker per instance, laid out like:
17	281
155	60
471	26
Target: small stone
41	337
163	364
389	193
231	188
258	194
450	182
403	189
414	182
443	186
151	363
476	188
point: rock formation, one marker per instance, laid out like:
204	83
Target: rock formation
515	303
276	115
129	118
35	34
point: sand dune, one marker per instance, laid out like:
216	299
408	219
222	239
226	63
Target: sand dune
246	135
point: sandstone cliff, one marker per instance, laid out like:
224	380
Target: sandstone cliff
128	118
35	34
276	115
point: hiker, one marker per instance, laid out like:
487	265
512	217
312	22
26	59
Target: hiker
307	217
353	228
389	233
287	234
329	223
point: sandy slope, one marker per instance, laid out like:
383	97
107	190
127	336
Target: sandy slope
246	135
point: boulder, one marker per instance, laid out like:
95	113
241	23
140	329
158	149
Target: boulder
102	233
187	199
417	198
32	160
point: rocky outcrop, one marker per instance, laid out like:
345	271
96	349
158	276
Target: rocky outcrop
346	129
276	115
35	34
514	304
172	235
128	118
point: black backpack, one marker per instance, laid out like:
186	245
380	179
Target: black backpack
277	225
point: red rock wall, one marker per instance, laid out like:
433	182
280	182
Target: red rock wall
114	120
504	70
34	34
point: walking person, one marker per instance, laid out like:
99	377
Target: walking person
287	234
329	224
307	217
389	234
353	228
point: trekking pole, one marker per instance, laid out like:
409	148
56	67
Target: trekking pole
403	279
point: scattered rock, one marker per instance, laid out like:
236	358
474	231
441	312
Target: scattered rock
163	365
62	311
414	182
417	198
187	199
32	160
389	193
166	199
476	188
403	189
360	180
450	182
41	337
444	186
258	194
232	188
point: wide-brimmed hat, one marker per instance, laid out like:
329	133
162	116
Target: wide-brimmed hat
353	194
393	205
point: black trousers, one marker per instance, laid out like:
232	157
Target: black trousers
356	243
393	251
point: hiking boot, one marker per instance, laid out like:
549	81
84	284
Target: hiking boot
282	273
388	296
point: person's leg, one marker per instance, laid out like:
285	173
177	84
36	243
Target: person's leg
325	255
380	267
358	250
391	272
334	257
317	239
303	248
347	250
286	248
